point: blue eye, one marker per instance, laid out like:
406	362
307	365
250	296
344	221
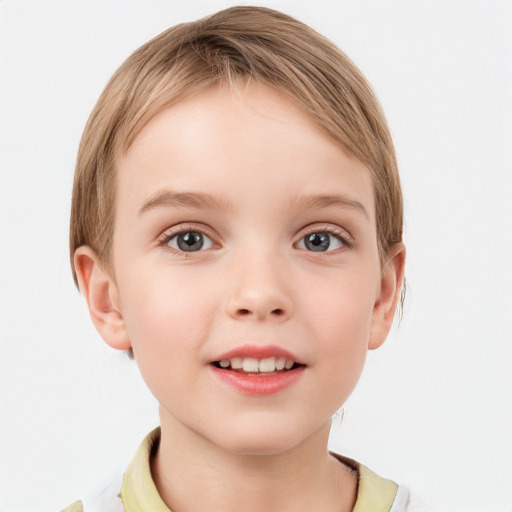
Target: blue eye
190	241
320	241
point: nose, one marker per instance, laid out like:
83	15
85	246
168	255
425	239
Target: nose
260	291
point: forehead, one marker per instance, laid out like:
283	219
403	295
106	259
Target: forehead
235	113
232	139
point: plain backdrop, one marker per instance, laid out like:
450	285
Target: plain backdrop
433	409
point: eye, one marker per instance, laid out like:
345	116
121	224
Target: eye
189	241
321	241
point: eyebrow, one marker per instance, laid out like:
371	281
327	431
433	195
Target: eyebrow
168	198
184	199
319	201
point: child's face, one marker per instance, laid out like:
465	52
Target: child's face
242	231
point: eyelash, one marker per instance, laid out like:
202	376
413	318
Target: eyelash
169	234
343	236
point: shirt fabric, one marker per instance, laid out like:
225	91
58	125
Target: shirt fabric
136	491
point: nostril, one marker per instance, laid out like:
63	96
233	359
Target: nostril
244	312
277	312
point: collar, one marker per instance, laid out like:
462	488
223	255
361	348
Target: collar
373	492
140	493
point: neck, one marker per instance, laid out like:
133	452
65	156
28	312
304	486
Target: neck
193	474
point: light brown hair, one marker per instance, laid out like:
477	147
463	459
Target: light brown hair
239	43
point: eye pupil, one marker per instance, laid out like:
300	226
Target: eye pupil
190	241
317	242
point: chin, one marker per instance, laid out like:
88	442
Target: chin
259	447
259	440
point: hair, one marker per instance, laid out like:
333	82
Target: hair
239	43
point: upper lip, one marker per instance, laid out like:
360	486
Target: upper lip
258	352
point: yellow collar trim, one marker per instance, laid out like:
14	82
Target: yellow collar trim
140	493
373	492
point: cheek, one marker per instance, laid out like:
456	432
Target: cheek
342	307
166	315
342	345
340	319
167	322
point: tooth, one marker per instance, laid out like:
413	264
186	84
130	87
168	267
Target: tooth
224	363
250	364
236	363
280	363
267	365
288	364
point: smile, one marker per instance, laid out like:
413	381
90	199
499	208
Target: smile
268	365
258	370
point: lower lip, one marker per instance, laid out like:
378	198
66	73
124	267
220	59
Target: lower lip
257	384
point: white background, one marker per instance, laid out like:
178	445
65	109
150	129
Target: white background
434	406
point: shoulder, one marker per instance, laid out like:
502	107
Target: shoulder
380	494
406	501
127	489
106	498
77	506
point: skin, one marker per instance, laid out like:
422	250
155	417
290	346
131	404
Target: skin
260	160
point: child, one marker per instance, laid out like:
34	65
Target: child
237	226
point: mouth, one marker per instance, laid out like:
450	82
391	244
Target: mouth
258	367
258	370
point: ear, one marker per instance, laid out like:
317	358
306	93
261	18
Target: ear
100	292
388	297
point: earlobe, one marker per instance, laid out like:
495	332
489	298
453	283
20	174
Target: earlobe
388	297
100	292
